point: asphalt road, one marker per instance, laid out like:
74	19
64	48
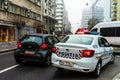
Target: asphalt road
10	70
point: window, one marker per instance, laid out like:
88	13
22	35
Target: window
117	31
110	32
12	8
2	4
23	12
38	2
50	40
32	0
35	39
94	30
11	34
32	15
38	16
86	40
45	1
103	42
45	11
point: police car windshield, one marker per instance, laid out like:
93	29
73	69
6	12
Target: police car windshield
86	40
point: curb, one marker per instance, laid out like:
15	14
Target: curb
7	50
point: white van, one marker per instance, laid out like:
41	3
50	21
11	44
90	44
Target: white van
110	30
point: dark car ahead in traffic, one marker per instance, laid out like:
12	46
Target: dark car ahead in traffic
35	47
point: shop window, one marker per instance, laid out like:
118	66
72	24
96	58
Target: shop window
4	34
11	34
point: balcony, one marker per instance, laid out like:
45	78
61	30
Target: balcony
114	2
114	17
114	9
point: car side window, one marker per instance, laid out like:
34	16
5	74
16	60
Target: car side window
106	44
51	40
94	30
100	42
55	40
103	42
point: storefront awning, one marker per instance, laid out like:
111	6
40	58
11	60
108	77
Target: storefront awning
5	24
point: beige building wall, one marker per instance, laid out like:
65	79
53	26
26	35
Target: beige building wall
30	6
49	20
118	10
20	14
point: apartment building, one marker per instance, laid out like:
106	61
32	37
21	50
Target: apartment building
19	17
89	13
49	7
60	16
115	10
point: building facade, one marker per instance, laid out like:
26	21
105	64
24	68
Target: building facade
107	8
60	16
30	16
19	18
115	10
89	13
49	20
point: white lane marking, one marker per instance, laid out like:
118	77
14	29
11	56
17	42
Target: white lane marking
9	68
117	77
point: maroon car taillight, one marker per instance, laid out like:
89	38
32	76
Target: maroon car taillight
54	49
88	53
19	45
43	46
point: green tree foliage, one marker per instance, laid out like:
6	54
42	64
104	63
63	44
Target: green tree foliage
92	22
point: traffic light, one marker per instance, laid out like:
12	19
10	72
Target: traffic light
6	5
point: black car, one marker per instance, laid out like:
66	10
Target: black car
35	47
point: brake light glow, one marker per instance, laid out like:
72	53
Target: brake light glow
19	45
88	53
82	31
54	49
43	46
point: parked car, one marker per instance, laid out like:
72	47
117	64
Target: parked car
35	47
85	53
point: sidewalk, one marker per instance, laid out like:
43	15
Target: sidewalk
7	46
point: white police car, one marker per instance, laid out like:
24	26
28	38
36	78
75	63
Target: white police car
84	53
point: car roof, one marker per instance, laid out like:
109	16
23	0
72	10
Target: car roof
86	35
39	34
107	24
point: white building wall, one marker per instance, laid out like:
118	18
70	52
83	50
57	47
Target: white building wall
60	10
106	4
88	13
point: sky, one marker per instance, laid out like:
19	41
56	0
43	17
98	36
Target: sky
74	8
